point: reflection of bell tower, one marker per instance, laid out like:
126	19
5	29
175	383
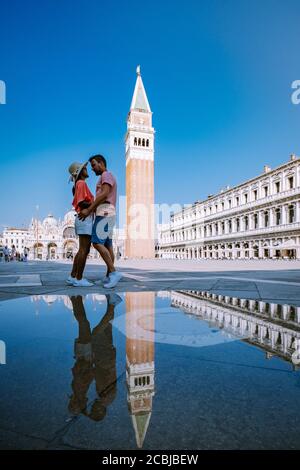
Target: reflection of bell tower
140	176
140	359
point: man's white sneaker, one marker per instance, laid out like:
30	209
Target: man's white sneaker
70	280
82	283
114	278
105	279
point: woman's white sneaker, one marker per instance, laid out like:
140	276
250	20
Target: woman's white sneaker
82	283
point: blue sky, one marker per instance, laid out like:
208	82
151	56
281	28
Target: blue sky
218	76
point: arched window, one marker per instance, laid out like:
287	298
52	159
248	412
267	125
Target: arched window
266	217
147	143
135	141
69	232
291	214
143	142
139	142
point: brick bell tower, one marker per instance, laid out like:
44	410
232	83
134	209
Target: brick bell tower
140	367
140	238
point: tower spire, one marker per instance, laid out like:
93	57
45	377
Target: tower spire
139	100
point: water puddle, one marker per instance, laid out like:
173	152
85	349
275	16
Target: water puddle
153	370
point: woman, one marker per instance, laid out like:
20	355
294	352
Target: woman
83	228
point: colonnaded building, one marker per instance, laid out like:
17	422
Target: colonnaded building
51	238
259	218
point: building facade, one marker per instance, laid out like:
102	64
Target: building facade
257	219
140	241
16	237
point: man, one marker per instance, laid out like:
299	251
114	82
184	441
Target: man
6	254
104	206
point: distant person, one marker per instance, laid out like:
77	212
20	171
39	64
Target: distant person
6	254
104	207
13	252
82	199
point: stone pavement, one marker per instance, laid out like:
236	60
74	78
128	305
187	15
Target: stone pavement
262	279
212	388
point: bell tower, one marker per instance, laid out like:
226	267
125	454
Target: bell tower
140	367
140	238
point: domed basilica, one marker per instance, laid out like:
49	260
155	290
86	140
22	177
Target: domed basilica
56	239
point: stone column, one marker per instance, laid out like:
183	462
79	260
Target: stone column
271	217
251	221
297	211
259	190
259	219
251	254
233	225
226	227
284	215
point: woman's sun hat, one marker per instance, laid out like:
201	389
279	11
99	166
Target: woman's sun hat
75	169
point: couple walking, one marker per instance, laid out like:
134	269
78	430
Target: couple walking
95	220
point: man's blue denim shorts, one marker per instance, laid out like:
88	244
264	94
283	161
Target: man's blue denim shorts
102	231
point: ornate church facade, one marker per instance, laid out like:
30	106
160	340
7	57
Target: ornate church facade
53	239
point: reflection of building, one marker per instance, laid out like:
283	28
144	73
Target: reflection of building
256	219
53	239
50	299
140	176
273	327
140	360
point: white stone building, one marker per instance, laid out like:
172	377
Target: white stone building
259	218
16	237
52	238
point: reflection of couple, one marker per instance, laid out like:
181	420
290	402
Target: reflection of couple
95	359
95	220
